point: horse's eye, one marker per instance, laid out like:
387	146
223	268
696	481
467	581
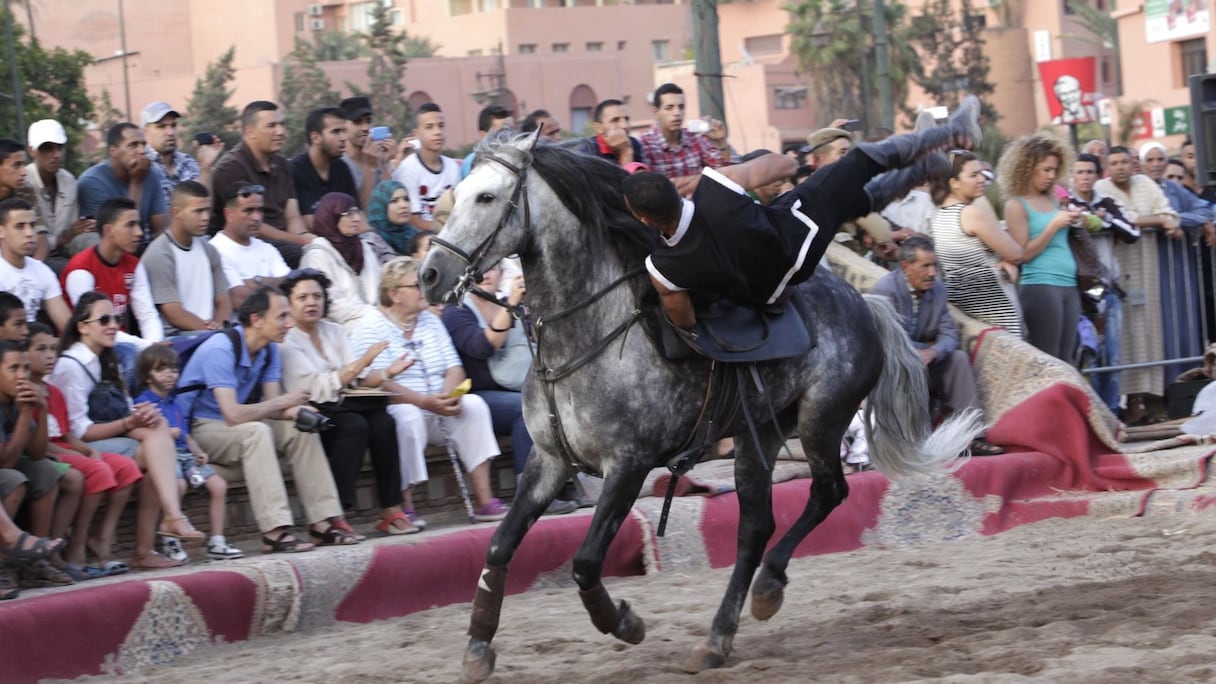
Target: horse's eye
485	198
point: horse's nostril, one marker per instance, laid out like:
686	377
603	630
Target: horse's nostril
429	276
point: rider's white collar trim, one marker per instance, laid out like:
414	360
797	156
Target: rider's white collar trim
685	219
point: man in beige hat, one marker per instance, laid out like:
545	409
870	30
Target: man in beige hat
828	146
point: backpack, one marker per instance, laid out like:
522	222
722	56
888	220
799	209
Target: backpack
185	348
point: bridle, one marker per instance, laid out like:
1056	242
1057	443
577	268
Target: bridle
547	374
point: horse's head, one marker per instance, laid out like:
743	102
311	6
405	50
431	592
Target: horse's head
489	219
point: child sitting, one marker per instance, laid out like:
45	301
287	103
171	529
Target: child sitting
157	370
108	477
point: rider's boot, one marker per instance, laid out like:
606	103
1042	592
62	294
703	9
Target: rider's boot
962	130
891	185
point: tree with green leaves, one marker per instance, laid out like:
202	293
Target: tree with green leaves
337	46
1101	29
208	108
833	43
391	49
303	88
52	87
950	42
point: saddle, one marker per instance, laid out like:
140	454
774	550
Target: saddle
734	333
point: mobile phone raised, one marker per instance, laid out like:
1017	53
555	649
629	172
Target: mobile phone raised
204	138
379	133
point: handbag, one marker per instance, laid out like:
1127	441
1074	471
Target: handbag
358	400
1090	274
107	400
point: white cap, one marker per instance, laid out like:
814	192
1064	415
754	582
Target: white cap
155	111
46	131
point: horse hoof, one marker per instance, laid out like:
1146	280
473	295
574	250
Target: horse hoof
631	630
703	658
478	663
766	605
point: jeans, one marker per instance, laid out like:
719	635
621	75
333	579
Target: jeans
127	353
507	414
1107	384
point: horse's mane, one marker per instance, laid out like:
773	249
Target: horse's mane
589	188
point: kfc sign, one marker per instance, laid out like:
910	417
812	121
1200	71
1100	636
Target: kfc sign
1069	88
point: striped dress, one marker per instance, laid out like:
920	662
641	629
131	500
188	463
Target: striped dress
968	268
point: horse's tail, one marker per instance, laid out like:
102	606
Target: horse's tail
897	411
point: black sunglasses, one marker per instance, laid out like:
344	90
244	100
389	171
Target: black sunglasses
104	319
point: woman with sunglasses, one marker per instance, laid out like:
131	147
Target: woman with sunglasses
339	253
977	257
88	359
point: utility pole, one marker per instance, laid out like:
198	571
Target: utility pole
126	81
709	59
886	117
14	73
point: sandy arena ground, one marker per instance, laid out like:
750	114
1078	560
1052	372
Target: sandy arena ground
1081	601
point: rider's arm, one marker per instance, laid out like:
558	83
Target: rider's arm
676	304
760	171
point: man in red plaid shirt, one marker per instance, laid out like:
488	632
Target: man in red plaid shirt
676	153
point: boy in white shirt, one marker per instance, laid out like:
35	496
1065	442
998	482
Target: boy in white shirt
427	174
32	281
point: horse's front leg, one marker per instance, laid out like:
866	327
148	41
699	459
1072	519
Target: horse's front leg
621	486
538	485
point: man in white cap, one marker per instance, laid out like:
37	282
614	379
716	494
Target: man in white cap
160	123
54	190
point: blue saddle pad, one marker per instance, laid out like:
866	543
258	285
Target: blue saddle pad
742	334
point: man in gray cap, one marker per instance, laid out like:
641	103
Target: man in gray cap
160	122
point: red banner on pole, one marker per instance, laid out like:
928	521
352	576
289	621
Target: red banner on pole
1069	85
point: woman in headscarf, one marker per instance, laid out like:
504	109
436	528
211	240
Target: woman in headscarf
340	254
388	213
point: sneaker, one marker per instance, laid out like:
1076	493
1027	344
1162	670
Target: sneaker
171	548
493	511
561	507
219	549
415	519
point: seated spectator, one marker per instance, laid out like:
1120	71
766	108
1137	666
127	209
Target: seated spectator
87	359
252	436
494	352
108	477
249	262
491	119
26	474
30	280
18	545
54	189
161	129
550	129
185	271
13	324
112	268
320	170
676	153
978	259
388	214
920	299
612	141
317	360
427	173
422	245
13	184
157	372
370	161
347	261
256	161
127	172
424	407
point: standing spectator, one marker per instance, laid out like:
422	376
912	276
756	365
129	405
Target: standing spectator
1051	303
249	262
349	262
1086	171
55	194
1186	153
1147	208
491	119
612	141
160	123
320	170
370	161
252	435
256	160
128	172
828	146
550	129
978	259
32	281
184	271
676	153
388	214
112	268
427	173
1097	148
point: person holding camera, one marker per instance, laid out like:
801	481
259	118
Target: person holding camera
243	419
320	170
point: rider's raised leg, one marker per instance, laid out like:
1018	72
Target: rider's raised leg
961	130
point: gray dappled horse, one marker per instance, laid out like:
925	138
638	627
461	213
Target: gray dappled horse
604	401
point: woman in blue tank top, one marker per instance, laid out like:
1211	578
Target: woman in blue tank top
1050	300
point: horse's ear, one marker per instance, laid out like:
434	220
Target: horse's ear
535	137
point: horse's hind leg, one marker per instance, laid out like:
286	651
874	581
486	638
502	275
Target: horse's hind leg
822	422
621	487
539	483
753	481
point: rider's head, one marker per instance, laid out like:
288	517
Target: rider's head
653	199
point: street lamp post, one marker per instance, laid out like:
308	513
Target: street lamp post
12	63
886	116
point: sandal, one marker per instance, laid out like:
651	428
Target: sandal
333	536
982	447
190	536
343	525
39	549
281	544
154	561
83	573
9	588
40	575
397	523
